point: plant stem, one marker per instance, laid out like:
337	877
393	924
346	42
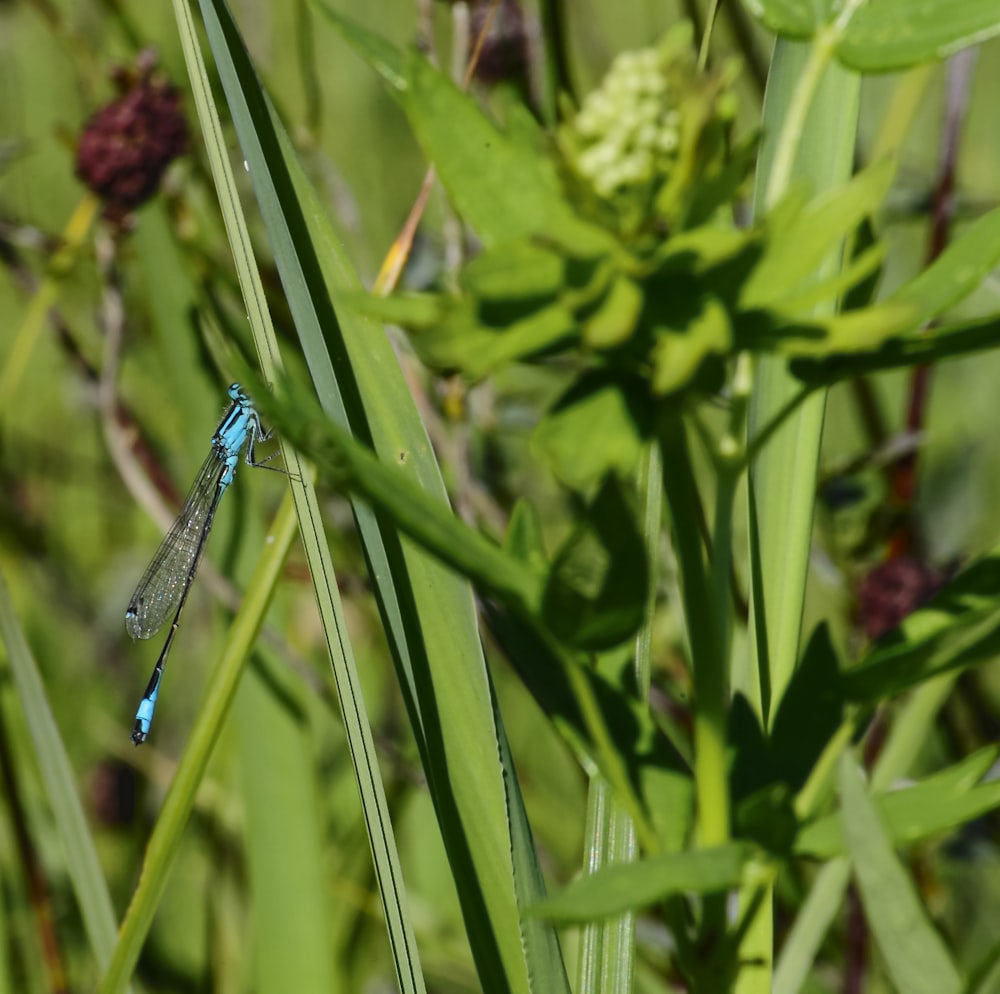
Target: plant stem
708	664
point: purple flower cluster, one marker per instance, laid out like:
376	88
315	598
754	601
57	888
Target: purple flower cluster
127	145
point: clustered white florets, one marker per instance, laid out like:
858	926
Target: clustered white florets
630	127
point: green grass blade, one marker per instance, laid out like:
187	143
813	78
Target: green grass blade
816	148
169	829
812	922
429	613
915	953
292	950
241	85
82	864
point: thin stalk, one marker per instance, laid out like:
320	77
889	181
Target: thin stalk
48	292
711	782
168	831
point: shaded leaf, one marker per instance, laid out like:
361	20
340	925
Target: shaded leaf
524	536
811	710
519	269
936	345
595	595
768	818
460	341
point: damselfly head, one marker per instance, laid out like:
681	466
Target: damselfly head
238	394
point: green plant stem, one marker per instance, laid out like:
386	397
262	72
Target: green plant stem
45	297
793	125
168	832
711	783
70	820
349	465
764	435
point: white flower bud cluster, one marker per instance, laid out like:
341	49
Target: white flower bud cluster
630	127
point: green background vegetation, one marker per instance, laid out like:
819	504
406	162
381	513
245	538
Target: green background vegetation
272	886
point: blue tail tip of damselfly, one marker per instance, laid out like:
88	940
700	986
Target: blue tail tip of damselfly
143	719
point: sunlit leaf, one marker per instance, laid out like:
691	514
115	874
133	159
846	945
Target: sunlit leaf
935	805
635	885
915	955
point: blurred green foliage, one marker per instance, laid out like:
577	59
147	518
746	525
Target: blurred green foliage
76	528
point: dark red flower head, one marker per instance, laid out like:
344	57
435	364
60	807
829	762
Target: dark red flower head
126	146
893	590
504	56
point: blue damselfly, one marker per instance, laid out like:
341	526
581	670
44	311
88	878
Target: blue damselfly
164	587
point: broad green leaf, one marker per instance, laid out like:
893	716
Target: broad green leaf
794	18
915	955
596	427
635	885
951	278
947	281
453	335
500	188
477	352
514	271
699	249
936	805
858	271
500	185
411	310
809	713
960	626
957	271
596	590
886	35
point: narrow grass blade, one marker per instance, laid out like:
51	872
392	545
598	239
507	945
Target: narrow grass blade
243	93
914	952
82	864
428	612
812	108
169	829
